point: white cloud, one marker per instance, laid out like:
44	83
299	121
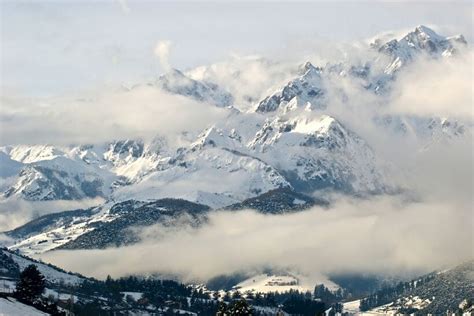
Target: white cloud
162	51
124	6
16	212
436	87
382	235
141	112
404	235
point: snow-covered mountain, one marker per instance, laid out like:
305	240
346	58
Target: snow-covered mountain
178	83
320	153
422	40
306	90
290	139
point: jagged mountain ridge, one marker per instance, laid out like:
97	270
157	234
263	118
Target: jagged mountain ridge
176	82
421	40
306	90
285	141
245	165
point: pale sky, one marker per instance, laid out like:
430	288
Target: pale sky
58	47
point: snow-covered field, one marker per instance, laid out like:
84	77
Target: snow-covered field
351	307
135	295
265	283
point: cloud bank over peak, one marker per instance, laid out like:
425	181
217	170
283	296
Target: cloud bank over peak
144	111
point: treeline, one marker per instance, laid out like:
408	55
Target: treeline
167	296
162	297
391	293
158	295
292	301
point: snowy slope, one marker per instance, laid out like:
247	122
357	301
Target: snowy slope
8	166
76	172
61	179
237	177
112	224
306	90
54	230
319	152
435	293
265	283
422	40
178	83
352	307
51	273
11	307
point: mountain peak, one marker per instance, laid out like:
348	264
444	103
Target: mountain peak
308	67
173	73
176	82
421	29
423	40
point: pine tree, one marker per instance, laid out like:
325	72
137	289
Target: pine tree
240	307
221	309
31	284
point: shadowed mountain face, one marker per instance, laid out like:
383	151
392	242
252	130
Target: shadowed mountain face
105	226
121	223
435	293
279	201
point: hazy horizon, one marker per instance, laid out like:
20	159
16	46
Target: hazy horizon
56	48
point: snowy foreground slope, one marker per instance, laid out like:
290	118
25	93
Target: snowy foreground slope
15	263
11	307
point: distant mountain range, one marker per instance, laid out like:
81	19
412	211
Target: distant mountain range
271	157
284	141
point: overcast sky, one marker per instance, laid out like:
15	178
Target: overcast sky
57	47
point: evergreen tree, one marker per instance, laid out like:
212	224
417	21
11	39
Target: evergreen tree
31	284
240	307
222	309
